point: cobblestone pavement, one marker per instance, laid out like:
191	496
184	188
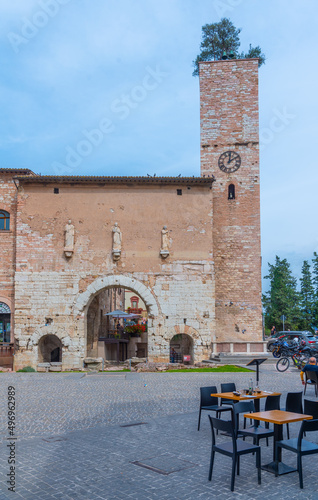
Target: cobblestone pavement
75	439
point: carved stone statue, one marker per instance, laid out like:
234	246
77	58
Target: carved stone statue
164	250
69	239
117	239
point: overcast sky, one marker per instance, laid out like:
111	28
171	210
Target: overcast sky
71	67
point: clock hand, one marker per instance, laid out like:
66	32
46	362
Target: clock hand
233	159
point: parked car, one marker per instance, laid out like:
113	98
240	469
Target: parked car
289	337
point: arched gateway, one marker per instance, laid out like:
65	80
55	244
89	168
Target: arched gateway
122	281
84	304
161	326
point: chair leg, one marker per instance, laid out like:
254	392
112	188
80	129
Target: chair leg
287	431
199	419
258	465
238	465
233	472
300	471
211	464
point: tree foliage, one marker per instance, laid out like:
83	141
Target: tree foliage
306	297
282	298
299	307
220	38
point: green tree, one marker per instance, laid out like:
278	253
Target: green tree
282	297
223	38
306	297
315	286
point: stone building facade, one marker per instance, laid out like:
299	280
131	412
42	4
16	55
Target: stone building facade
189	247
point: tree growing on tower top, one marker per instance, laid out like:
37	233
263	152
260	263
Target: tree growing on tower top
221	40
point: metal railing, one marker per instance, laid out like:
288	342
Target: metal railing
113	334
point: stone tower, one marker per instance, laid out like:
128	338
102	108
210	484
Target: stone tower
230	152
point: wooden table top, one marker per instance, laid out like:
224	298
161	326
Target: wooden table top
241	397
278	416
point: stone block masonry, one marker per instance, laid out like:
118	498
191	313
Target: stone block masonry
53	293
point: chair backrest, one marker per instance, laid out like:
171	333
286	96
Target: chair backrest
311	408
224	426
306	426
241	407
228	387
206	398
294	402
312	375
272	403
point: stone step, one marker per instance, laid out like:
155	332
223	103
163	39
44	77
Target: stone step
240	359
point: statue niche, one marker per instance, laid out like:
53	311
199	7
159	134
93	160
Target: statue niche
69	239
164	250
117	239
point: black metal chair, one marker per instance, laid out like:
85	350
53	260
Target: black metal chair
233	449
311	379
311	408
271	403
299	446
210	403
256	432
294	403
228	387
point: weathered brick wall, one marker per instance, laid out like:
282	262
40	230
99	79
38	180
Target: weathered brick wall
8	194
229	122
178	291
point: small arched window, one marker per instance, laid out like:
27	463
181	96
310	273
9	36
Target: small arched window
4	220
231	192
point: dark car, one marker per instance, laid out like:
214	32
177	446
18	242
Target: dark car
290	337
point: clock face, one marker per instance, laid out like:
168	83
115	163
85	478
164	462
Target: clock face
229	162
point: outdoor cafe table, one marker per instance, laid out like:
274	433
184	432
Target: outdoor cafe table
278	418
256	396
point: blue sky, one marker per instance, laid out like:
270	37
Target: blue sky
70	67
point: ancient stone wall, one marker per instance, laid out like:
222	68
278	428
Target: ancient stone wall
229	122
53	292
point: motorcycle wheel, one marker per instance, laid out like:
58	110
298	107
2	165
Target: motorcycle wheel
276	353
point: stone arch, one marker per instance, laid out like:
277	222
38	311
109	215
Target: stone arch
122	281
6	301
50	349
188	330
197	344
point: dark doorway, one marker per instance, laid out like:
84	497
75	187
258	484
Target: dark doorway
55	355
181	349
50	349
5	328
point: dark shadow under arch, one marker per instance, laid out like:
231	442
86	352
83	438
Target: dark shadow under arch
181	345
50	349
